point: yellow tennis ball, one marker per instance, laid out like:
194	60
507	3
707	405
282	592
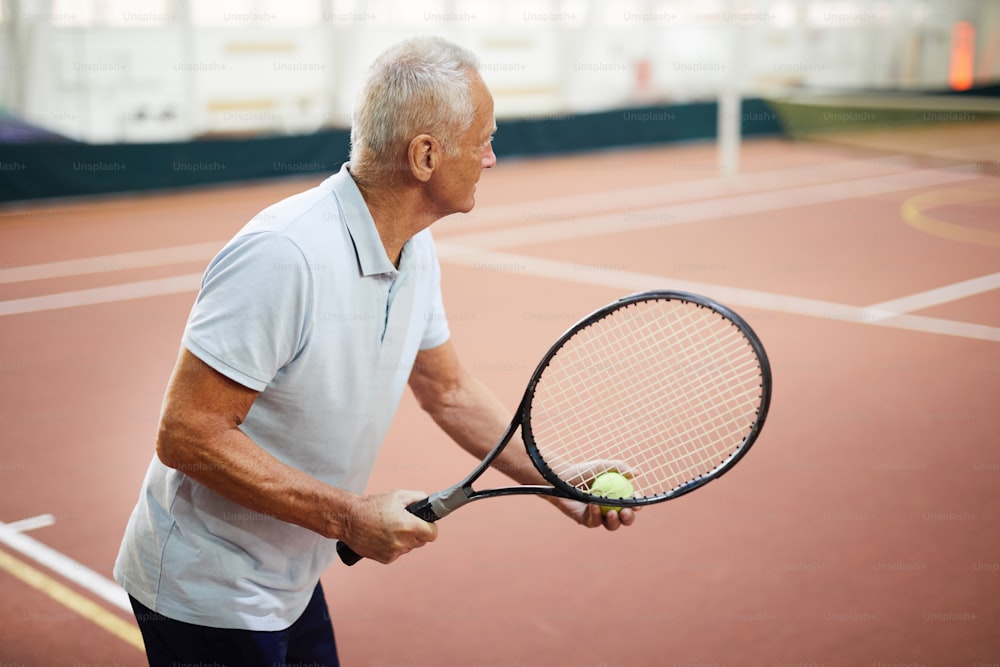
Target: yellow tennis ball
611	484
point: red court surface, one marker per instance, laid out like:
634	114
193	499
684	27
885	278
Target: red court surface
860	530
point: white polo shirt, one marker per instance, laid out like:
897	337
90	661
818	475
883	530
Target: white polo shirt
304	306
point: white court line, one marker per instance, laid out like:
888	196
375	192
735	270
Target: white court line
939	326
32	523
889	313
139	259
733	296
457	250
63	565
110	294
571	213
587	204
719	208
494	260
935	297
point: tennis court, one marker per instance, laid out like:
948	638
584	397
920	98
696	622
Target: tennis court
860	530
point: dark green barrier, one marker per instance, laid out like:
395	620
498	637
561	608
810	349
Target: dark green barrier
34	171
627	127
31	171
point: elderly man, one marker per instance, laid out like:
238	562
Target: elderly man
308	325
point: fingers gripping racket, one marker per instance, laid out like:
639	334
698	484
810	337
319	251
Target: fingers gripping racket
668	387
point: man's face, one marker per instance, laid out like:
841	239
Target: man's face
460	170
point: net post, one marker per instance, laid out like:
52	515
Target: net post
728	125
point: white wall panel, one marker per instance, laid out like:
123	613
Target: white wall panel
159	70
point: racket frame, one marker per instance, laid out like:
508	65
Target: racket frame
442	503
568	490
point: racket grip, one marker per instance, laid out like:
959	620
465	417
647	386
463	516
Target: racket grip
421	508
348	556
424	510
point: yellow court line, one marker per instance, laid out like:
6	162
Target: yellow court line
73	600
914	207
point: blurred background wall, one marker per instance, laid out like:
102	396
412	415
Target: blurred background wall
122	71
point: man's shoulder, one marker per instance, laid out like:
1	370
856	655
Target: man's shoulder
309	207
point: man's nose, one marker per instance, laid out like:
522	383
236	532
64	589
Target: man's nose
489	157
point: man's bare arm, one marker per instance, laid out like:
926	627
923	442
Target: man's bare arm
199	435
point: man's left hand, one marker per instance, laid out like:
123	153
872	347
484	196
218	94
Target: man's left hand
590	515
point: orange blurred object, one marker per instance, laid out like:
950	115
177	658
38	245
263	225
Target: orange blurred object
963	54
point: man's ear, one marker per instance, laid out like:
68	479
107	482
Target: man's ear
424	154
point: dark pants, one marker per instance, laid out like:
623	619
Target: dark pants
308	642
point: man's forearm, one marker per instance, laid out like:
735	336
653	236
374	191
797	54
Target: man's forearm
475	418
236	468
199	435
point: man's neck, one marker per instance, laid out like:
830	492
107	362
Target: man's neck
398	211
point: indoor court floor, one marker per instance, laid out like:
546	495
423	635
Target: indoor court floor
860	530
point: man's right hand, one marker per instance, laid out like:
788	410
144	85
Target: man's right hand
379	526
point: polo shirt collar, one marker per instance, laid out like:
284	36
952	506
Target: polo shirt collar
372	259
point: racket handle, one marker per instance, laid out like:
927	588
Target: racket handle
424	510
348	556
421	508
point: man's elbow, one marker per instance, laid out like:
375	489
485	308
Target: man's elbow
435	396
433	402
438	380
172	444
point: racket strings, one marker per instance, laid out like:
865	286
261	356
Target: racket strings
700	426
667	390
710	417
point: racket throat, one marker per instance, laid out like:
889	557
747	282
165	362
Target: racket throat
441	504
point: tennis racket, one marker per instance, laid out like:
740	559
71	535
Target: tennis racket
670	388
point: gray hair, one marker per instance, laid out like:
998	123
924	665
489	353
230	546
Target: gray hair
420	85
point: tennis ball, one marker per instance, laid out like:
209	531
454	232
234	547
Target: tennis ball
611	484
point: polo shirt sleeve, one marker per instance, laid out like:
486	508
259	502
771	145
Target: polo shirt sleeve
251	316
436	333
